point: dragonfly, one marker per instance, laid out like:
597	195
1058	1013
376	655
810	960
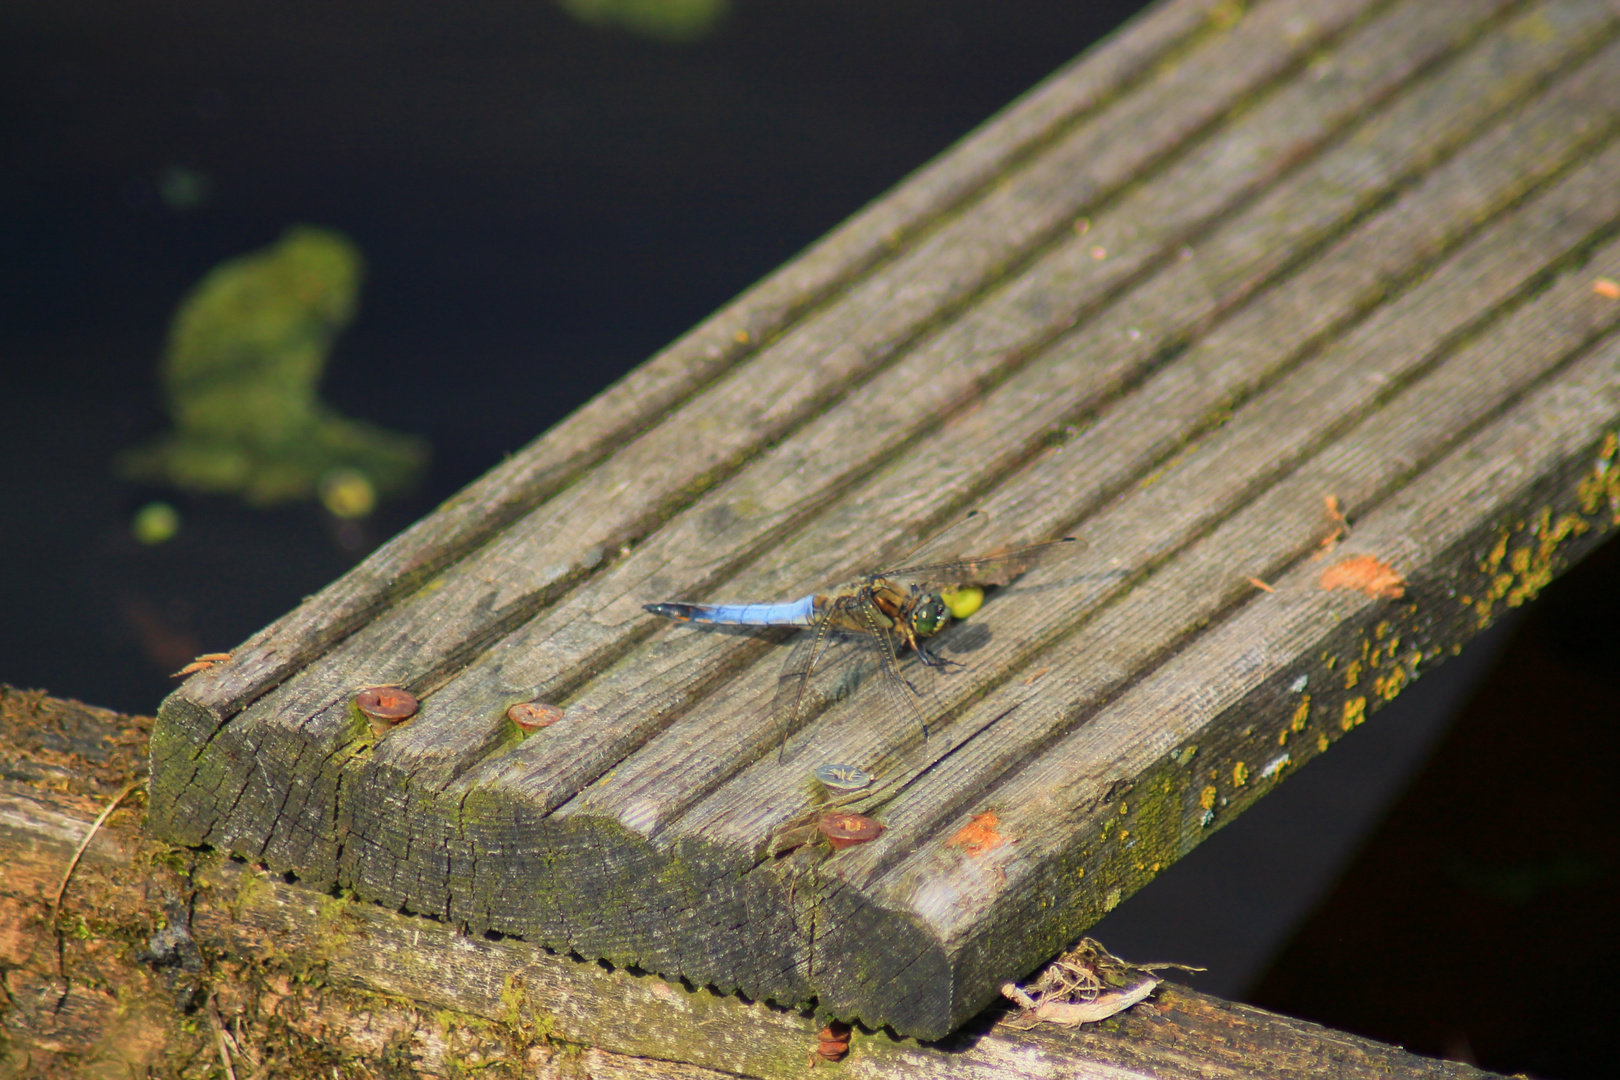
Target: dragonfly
872	621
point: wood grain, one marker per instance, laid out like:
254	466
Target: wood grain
1169	302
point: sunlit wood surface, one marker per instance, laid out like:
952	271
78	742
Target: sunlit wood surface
1235	273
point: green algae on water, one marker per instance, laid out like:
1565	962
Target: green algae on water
245	356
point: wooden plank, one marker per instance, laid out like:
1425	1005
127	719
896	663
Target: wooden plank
302	983
732	732
1331	249
1152	619
1517	483
283	749
519	484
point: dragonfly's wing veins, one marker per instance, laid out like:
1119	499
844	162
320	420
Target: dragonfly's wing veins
995	568
794	699
950	544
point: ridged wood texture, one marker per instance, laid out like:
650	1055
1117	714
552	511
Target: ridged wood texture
1228	264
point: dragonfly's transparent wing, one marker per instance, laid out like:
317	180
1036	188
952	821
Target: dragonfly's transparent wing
862	677
812	678
992	568
951	544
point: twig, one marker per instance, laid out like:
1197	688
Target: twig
73	863
219	1037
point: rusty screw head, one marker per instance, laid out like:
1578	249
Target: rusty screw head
832	1042
846	830
531	716
385	706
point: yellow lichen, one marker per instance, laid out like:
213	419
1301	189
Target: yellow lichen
1387	686
1207	797
1355	711
1240	774
1602	484
1302	713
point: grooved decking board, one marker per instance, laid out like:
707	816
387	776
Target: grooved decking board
1207	276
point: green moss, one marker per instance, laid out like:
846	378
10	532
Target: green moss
246	352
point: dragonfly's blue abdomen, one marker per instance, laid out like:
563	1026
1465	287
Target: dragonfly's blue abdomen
794	613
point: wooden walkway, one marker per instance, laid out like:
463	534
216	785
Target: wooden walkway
142	960
1231	264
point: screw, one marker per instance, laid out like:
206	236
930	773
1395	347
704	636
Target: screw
843	777
531	716
832	1042
385	706
844	830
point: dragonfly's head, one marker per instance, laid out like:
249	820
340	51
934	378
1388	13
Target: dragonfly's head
929	616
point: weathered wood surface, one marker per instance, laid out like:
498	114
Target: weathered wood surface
160	951
1208	276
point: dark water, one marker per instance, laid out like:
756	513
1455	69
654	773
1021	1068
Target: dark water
542	204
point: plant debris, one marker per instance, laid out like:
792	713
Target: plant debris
1341	525
1085	984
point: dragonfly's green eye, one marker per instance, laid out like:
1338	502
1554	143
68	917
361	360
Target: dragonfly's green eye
930	617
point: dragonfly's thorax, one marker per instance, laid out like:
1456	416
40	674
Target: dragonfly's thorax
913	612
892	600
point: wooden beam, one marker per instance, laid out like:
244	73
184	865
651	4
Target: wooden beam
1172	303
160	958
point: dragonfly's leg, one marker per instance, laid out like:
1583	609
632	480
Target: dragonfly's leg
931	659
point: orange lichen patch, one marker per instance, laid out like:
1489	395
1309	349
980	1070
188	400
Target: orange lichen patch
1365	573
1387	686
1302	714
1606	288
1262	586
1602	485
1517	574
978	835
